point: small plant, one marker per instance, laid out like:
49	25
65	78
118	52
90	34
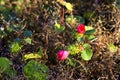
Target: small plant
82	34
5	68
36	71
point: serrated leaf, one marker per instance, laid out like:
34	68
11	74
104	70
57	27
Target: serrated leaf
112	48
28	40
31	56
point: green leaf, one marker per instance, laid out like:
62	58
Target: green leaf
2	2
58	28
86	45
15	47
4	64
89	30
69	6
80	19
40	52
36	71
91	37
86	54
31	56
5	68
112	48
28	40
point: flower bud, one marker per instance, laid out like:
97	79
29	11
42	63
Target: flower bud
81	28
62	54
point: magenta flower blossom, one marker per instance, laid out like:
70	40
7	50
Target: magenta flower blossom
81	28
62	54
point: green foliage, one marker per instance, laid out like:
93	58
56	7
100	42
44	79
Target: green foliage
87	53
74	49
28	40
34	55
15	47
118	3
112	48
2	2
74	19
80	19
36	71
4	64
40	52
58	28
89	30
5	67
70	62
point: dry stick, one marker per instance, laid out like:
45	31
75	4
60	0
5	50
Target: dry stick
62	19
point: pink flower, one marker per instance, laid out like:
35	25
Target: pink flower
81	28
62	54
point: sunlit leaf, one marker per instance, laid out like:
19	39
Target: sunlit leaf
15	47
31	56
89	30
69	6
62	2
28	40
2	2
87	53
